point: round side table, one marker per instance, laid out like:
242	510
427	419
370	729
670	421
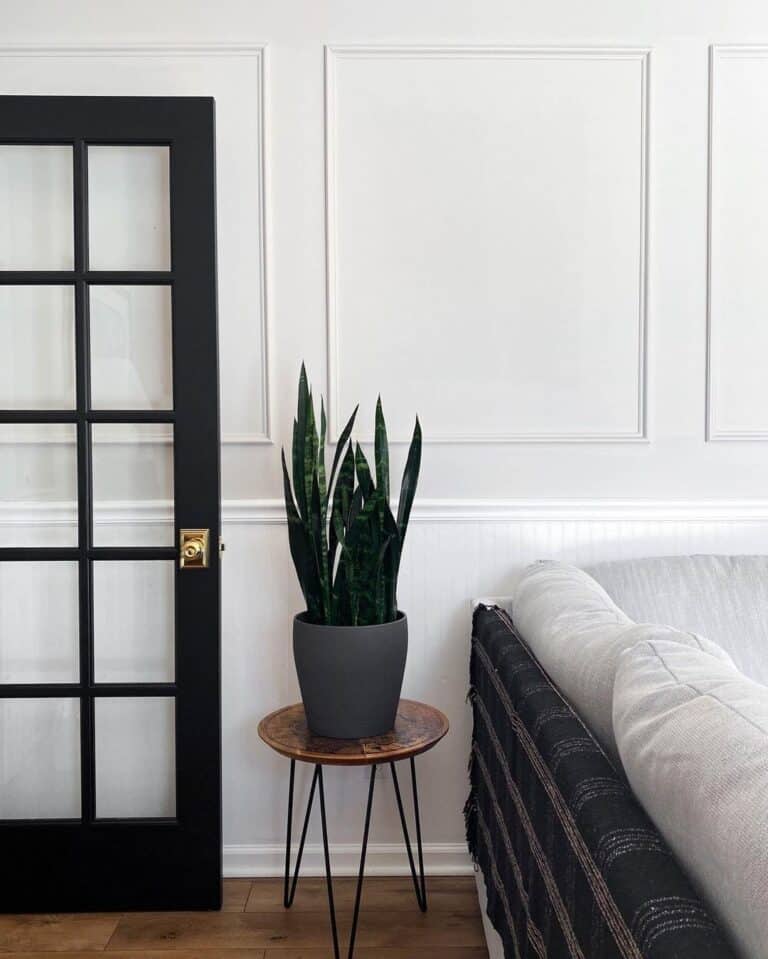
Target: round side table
418	727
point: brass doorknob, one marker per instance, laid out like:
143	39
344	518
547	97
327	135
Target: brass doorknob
193	548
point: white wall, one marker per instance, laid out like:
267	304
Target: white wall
496	215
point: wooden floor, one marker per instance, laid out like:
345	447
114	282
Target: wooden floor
254	925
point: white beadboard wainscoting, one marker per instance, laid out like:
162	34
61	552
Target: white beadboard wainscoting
456	550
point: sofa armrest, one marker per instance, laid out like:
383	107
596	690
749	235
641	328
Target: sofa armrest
572	864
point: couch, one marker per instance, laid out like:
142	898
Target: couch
619	764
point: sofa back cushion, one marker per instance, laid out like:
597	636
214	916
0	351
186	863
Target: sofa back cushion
577	633
692	733
724	598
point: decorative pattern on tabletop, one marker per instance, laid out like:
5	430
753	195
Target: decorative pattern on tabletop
417	728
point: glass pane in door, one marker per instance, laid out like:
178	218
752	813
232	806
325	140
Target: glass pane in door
38	484
39	632
129	208
131	360
132	484
135	749
37	200
37	347
40	758
134	621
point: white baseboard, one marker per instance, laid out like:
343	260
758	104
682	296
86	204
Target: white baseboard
383	859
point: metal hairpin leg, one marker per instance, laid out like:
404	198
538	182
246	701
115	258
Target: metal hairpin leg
289	894
328	877
289	888
363	851
419	883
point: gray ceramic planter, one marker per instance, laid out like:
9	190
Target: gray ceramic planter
350	676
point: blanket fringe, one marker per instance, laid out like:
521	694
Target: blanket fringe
470	806
470	810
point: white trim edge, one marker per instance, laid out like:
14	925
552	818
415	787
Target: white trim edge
382	859
271	512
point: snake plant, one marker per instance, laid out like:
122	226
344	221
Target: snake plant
345	542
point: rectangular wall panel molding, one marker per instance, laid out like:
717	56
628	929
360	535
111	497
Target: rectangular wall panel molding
236	76
487	220
737	333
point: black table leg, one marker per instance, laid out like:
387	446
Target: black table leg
328	877
361	871
289	887
288	894
419	884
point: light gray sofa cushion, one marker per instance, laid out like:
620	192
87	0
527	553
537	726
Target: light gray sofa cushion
578	633
724	598
692	734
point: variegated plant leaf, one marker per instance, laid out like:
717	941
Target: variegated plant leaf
410	479
321	462
301	551
363	472
320	548
381	452
342	500
345	434
311	444
299	440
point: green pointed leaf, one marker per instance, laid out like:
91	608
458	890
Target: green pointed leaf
380	570
408	485
362	546
341	605
321	464
386	581
345	434
348	596
320	549
301	551
299	441
360	520
339	531
345	485
342	500
363	472
354	507
381	452
390	565
310	447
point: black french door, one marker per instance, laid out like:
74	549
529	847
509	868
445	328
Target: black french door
110	783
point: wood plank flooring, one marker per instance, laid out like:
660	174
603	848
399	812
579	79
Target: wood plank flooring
254	925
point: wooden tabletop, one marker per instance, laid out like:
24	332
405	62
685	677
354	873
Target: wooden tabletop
417	728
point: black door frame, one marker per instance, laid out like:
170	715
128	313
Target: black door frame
99	864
